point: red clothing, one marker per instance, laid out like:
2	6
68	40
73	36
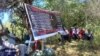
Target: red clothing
81	33
70	33
37	45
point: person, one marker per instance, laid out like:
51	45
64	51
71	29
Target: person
71	33
37	45
68	38
6	30
26	38
81	33
22	48
8	48
75	32
88	35
64	35
12	38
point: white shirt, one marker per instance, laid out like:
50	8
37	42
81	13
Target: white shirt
74	31
62	32
67	31
7	44
4	38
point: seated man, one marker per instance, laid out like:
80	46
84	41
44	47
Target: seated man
64	35
8	48
88	35
22	48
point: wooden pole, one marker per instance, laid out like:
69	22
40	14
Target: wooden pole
31	35
43	44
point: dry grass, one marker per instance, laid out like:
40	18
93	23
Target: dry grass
74	49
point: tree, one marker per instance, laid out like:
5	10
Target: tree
71	11
93	11
18	17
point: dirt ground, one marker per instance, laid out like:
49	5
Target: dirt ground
72	49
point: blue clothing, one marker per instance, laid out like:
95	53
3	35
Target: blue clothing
26	37
23	49
7	52
11	40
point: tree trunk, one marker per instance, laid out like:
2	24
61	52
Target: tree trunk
28	1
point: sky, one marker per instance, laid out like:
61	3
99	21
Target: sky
38	3
82	0
42	3
5	16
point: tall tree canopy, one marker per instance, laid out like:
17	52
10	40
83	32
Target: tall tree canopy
71	11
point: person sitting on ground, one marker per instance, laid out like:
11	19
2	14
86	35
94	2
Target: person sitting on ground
63	35
22	48
81	33
88	35
8	46
37	45
68	38
12	38
26	38
5	31
75	32
70	33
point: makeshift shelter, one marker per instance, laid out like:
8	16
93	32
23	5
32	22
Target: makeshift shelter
42	22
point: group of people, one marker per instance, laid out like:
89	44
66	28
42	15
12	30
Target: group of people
10	45
76	33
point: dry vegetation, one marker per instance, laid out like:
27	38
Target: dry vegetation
75	48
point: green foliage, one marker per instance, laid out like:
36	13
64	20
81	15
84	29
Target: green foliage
16	24
74	12
83	14
71	11
53	40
